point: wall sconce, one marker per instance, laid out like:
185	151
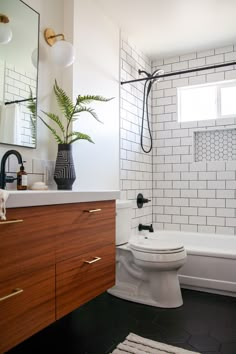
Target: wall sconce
62	52
5	30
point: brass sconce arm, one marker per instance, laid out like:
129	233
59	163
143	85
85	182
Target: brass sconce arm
62	52
50	36
4	18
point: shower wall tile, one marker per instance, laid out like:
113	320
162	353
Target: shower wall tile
17	87
196	196
186	195
136	167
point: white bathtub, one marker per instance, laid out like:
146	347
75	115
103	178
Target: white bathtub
211	261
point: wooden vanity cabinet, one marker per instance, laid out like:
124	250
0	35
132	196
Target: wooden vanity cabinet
27	274
85	255
29	244
82	278
61	256
30	308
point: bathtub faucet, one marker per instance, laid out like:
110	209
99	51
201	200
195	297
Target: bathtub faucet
145	227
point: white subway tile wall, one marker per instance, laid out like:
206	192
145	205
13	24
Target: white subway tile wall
186	195
17	87
189	195
136	167
37	170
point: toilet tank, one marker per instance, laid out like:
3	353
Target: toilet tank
123	221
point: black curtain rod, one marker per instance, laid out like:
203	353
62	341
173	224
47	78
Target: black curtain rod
179	72
18	101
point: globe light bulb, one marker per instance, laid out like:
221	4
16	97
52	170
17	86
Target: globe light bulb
62	53
34	57
5	33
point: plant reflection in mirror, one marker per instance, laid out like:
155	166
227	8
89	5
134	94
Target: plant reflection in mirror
33	116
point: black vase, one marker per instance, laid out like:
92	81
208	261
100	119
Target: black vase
64	174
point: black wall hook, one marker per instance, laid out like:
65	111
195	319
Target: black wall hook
141	200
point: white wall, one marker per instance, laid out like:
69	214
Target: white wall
22	41
51	15
96	71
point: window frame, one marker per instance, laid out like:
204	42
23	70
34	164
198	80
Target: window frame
218	85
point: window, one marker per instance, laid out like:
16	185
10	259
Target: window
209	101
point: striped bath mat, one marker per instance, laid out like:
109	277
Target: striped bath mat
134	344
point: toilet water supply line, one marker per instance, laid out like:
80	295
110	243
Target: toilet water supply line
136	273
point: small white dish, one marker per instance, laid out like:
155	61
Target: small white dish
39	186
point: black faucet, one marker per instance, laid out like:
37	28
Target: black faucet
3	178
145	227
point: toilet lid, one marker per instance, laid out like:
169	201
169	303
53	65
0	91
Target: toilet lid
158	245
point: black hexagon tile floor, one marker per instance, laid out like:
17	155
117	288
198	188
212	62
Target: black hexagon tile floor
206	323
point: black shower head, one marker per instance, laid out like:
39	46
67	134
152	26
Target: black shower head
155	73
151	82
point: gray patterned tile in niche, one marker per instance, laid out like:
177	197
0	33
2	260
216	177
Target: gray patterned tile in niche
215	145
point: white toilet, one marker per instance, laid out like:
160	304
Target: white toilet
146	265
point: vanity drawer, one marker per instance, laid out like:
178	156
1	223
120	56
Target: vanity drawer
29	311
78	281
85	227
29	245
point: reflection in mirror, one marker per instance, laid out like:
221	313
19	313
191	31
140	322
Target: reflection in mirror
18	74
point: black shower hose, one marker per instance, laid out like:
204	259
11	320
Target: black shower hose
145	102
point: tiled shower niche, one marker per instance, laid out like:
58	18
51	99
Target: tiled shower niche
215	145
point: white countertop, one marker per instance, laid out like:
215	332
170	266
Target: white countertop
17	199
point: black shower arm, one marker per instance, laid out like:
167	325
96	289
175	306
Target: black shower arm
144	72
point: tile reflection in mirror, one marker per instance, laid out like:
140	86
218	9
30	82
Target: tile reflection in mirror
18	75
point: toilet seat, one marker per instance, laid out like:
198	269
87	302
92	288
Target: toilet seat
161	245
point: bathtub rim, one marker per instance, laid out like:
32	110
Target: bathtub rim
208	250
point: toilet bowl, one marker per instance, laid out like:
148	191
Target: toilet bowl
146	266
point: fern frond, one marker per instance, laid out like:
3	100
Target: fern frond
89	98
65	103
89	110
32	104
70	110
56	136
32	107
78	136
55	119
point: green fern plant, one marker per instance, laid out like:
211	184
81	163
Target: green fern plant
33	117
63	132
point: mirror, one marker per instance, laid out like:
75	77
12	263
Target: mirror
18	74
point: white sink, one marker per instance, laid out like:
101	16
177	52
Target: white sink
28	198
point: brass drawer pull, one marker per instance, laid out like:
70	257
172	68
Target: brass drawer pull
14	293
96	259
11	221
92	210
